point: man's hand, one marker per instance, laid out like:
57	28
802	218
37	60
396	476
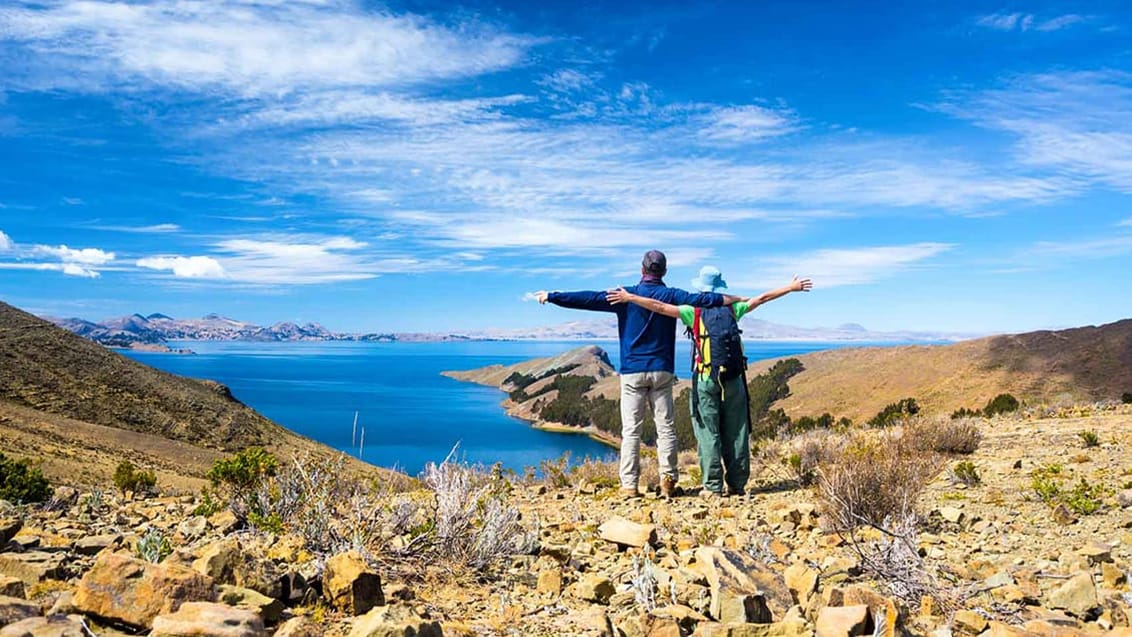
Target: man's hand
620	295
801	285
542	296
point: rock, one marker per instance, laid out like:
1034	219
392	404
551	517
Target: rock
1124	498
842	621
550	582
9	527
968	622
1111	574
1062	515
1077	596
32	567
93	544
298	627
227	562
999	629
219	560
64	605
12	586
394	621
951	514
350	586
124	589
269	609
1096	553
224	522
57	626
594	587
64	497
740	584
193	528
208	619
882	610
14	609
802	582
623	533
786	628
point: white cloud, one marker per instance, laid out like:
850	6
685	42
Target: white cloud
1028	21
836	267
74	269
1126	223
158	228
1061	22
739	124
5	242
252	47
84	256
185	267
568	80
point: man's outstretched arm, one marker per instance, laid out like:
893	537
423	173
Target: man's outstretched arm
593	301
620	295
797	285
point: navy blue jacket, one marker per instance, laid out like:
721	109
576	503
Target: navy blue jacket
648	340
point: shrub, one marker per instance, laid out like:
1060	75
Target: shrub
764	389
21	482
600	473
556	472
808	453
966	473
1089	438
894	413
1126	398
1001	404
945	436
1085	498
1045	482
243	471
963	412
875	477
129	479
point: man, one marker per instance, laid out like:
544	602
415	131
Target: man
720	405
648	350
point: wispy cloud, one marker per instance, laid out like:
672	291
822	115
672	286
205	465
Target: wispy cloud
1127	223
1029	22
839	267
5	242
81	262
158	228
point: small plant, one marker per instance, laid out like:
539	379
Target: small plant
1126	398
1001	404
1085	498
93	501
153	547
759	548
20	482
597	472
129	479
895	412
963	412
643	581
966	473
209	505
244	470
1089	438
556	472
1046	482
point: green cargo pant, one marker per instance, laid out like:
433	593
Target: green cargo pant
723	435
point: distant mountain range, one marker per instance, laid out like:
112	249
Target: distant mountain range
155	330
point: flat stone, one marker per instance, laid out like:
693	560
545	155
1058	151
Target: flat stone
842	621
1096	553
1077	596
298	627
93	544
968	622
14	609
32	567
952	514
56	626
268	608
785	628
625	533
208	619
12	586
1112	575
9	527
121	588
550	582
349	584
594	587
738	582
802	582
394	621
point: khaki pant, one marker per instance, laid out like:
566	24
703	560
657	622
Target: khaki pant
642	392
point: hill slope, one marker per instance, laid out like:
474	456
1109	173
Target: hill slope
1076	365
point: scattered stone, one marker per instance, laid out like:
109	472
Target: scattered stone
842	621
13	609
1124	498
594	587
269	609
625	533
1096	553
55	626
32	567
968	622
12	586
1077	596
298	627
9	527
739	584
550	582
1112	575
1062	515
124	589
193	528
952	514
93	544
802	582
208	619
999	629
350	586
786	628
64	605
394	621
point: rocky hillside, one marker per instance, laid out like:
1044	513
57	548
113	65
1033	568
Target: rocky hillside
82	408
1047	367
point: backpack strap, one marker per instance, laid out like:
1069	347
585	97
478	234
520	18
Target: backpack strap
697	356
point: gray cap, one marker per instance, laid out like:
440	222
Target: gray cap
655	262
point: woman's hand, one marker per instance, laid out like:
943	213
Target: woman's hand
801	285
620	295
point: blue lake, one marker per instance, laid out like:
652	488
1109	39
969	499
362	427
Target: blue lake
411	414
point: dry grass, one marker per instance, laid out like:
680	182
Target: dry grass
944	435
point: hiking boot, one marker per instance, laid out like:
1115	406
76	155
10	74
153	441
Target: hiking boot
629	492
736	492
708	494
668	488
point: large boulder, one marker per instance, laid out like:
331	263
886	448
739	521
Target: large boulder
33	567
207	619
624	533
349	584
742	589
124	589
1077	596
227	562
842	621
55	626
394	621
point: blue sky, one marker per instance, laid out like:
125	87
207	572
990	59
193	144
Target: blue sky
422	165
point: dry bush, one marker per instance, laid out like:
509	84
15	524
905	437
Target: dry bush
876	477
897	565
807	453
600	473
941	435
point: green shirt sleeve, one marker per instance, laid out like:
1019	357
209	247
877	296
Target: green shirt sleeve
687	314
741	308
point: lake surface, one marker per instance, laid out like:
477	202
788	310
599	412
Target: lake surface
411	415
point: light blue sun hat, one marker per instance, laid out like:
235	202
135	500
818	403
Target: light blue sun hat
710	280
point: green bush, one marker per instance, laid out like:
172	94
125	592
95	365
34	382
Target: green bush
1089	438
1085	498
1046	482
963	412
966	473
21	483
895	413
1001	404
129	479
1126	398
243	471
